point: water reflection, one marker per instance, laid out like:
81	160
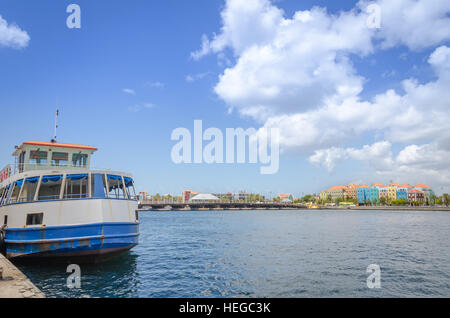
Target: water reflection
117	277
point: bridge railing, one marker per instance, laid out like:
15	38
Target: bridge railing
174	201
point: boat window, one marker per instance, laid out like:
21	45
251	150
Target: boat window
60	158
5	195
38	157
79	160
98	186
76	186
131	192
35	218
50	188
29	189
16	190
2	193
116	190
5	221
21	161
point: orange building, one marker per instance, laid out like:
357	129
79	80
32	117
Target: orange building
187	195
351	191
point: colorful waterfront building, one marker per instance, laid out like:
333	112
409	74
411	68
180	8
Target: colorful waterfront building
188	195
427	192
337	192
286	198
383	192
392	191
241	196
351	191
374	194
363	194
416	195
402	191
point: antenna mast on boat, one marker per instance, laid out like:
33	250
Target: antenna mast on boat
56	125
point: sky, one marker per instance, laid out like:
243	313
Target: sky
354	101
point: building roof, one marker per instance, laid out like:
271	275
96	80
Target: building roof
205	197
58	144
395	184
422	186
415	191
285	195
363	186
338	188
378	185
405	186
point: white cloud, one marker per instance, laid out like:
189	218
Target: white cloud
288	65
204	50
196	77
296	74
379	155
12	36
415	23
426	163
155	85
138	107
329	157
129	91
420	114
425	156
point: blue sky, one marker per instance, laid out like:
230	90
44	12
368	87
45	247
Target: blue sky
120	83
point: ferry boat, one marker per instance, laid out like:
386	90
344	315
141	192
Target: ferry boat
52	205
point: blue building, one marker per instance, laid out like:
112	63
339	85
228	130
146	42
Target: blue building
402	194
363	194
374	194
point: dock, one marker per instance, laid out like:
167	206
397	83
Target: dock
14	284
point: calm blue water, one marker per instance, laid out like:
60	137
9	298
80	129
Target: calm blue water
270	254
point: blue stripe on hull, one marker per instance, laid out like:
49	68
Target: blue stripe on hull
71	240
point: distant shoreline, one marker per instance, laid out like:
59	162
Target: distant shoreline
389	208
322	208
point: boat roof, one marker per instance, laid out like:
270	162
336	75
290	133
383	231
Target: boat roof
58	144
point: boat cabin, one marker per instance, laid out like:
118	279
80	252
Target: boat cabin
47	171
38	155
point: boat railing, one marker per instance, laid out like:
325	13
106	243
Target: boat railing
76	196
17	168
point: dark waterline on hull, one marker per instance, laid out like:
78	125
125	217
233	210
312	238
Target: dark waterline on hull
269	254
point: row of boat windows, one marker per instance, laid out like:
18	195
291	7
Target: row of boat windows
70	186
41	158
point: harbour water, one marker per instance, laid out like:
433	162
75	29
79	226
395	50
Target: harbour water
270	254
